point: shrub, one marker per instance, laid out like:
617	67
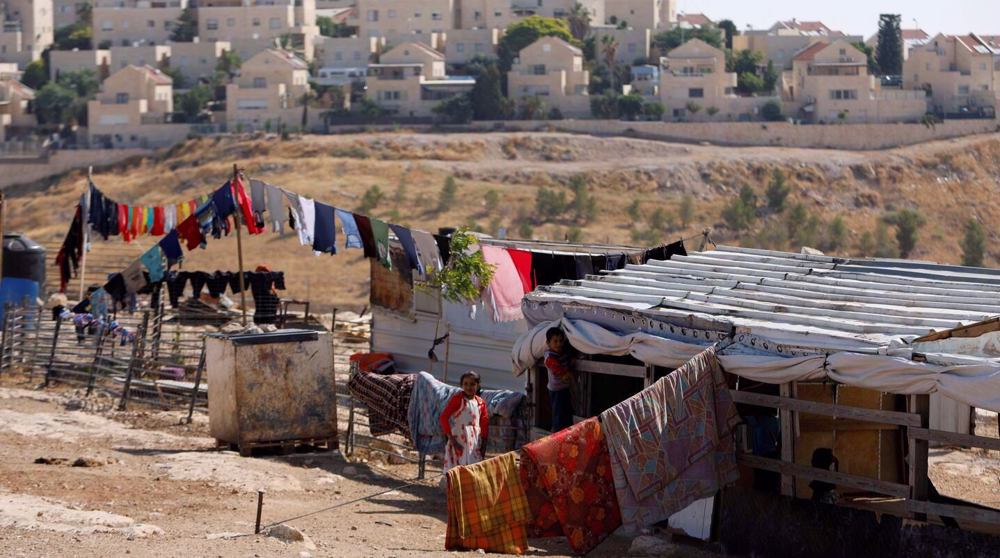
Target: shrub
659	220
448	192
653	110
741	212
584	205
974	244
370	199
549	204
836	235
686	210
492	201
884	244
574	235
908	223
772	112
634	209
630	106
777	191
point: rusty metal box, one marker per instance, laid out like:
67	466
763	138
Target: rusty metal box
272	389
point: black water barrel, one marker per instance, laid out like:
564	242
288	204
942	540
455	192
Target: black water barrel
23	258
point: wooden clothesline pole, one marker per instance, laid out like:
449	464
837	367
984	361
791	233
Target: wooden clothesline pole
86	235
239	241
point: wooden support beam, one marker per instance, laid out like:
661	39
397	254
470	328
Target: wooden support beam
954	439
965	513
813	473
917	457
611	368
838	411
787	441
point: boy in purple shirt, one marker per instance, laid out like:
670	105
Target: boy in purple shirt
558	363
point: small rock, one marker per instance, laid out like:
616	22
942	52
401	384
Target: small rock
88	462
647	545
305	554
51	460
289	534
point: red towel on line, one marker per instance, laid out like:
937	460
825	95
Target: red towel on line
522	261
243	200
189	231
159	220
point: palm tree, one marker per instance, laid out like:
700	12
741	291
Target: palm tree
609	51
579	21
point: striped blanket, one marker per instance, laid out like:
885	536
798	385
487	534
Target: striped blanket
487	507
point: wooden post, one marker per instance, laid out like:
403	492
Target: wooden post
447	353
52	352
127	388
917	458
83	254
197	381
787	441
239	242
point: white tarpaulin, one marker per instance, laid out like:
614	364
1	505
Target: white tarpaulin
975	384
592	339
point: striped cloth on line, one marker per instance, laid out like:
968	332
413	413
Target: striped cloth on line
387	397
487	507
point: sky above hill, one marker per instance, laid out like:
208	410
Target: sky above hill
858	17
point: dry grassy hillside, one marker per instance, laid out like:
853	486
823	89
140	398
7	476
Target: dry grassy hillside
948	182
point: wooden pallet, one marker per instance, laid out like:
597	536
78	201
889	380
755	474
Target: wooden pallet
287	446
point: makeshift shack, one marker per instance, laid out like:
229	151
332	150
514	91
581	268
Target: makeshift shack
823	353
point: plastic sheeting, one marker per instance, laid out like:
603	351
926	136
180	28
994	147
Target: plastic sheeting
977	385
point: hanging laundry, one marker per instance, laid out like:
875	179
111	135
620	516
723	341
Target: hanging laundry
615	261
222	200
427	251
380	232
68	258
135	277
153	260
234	281
115	287
305	217
159	222
198	280
263	283
258	198
570	488
672	443
409	247
135	220
150	215
584	266
274	205
123	224
190	231
99	302
350	228
522	261
245	207
487	507
506	290
218	282
111	217
183	211
367	235
325	229
169	218
176	281
387	397
171	246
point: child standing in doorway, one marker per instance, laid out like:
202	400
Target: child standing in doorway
465	422
559	363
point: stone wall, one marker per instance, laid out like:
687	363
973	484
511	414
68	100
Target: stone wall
24	170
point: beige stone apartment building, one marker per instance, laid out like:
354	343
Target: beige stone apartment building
132	110
269	93
16	113
411	79
830	83
64	12
552	69
198	59
345	52
783	40
960	72
462	45
644	14
157	56
398	19
27	30
631	44
62	61
694	82
135	22
251	26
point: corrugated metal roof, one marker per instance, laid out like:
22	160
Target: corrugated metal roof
806	300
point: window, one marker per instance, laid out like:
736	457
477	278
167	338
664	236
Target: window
963	89
459	47
538	69
212	24
435	16
844	94
391	14
372	15
230	22
479	47
256	22
338	55
497	13
151	24
274	23
477	16
107	26
121	98
696	93
843	52
259	82
546	47
416	15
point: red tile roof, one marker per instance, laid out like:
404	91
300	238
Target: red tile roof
695	19
914	34
810	51
157	76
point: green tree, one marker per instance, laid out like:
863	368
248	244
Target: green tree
330	28
777	191
579	22
186	27
549	204
745	61
83	83
890	46
669	40
771	77
866	244
604	106
712	111
741	213
908	223
456	110
686	210
574	235
609	55
634	210
974	244
729	30
693	107
653	110
659	219
492	200
772	111
870	55
448	194
584	205
228	66
795	219
178	78
75	36
531	107
836	235
35	75
526	31
193	102
630	106
749	84
54	104
486	95
370	200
